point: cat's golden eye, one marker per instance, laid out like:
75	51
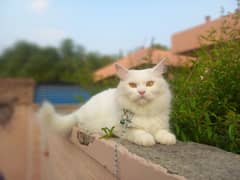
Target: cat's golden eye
150	83
132	85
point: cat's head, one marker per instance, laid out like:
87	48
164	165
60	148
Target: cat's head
141	86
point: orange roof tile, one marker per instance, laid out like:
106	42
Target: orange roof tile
139	57
189	39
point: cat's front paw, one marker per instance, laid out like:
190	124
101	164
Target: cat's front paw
145	140
165	137
142	138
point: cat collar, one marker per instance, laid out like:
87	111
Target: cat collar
126	118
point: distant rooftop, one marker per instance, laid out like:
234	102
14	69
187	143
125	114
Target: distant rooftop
182	43
189	39
140	57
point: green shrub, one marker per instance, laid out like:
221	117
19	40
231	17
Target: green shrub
206	103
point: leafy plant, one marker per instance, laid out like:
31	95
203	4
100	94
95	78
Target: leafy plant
206	103
108	132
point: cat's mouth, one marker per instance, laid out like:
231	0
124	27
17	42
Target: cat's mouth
142	100
142	97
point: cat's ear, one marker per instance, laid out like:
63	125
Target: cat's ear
121	71
160	68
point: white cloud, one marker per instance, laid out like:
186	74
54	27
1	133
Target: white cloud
40	6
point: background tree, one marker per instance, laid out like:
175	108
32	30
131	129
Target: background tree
70	63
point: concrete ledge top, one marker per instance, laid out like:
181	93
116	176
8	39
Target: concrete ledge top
180	161
191	160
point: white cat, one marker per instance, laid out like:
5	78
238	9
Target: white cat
142	92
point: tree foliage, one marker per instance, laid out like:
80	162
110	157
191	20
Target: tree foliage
70	63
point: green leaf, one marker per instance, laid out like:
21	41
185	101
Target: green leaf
108	132
231	132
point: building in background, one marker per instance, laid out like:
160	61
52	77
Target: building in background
140	57
184	44
187	41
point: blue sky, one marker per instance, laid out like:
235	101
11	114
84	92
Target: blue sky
106	26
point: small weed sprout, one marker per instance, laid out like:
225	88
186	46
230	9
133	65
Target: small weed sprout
108	133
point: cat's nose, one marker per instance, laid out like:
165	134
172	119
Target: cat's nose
141	92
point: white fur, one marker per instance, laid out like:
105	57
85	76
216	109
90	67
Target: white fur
150	123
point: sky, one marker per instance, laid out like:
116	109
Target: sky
105	26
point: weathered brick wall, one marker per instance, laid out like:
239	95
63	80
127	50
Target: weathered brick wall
184	160
22	89
19	138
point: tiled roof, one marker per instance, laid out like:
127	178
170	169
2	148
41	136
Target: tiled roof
189	39
139	57
182	42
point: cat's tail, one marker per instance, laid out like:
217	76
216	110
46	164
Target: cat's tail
51	121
